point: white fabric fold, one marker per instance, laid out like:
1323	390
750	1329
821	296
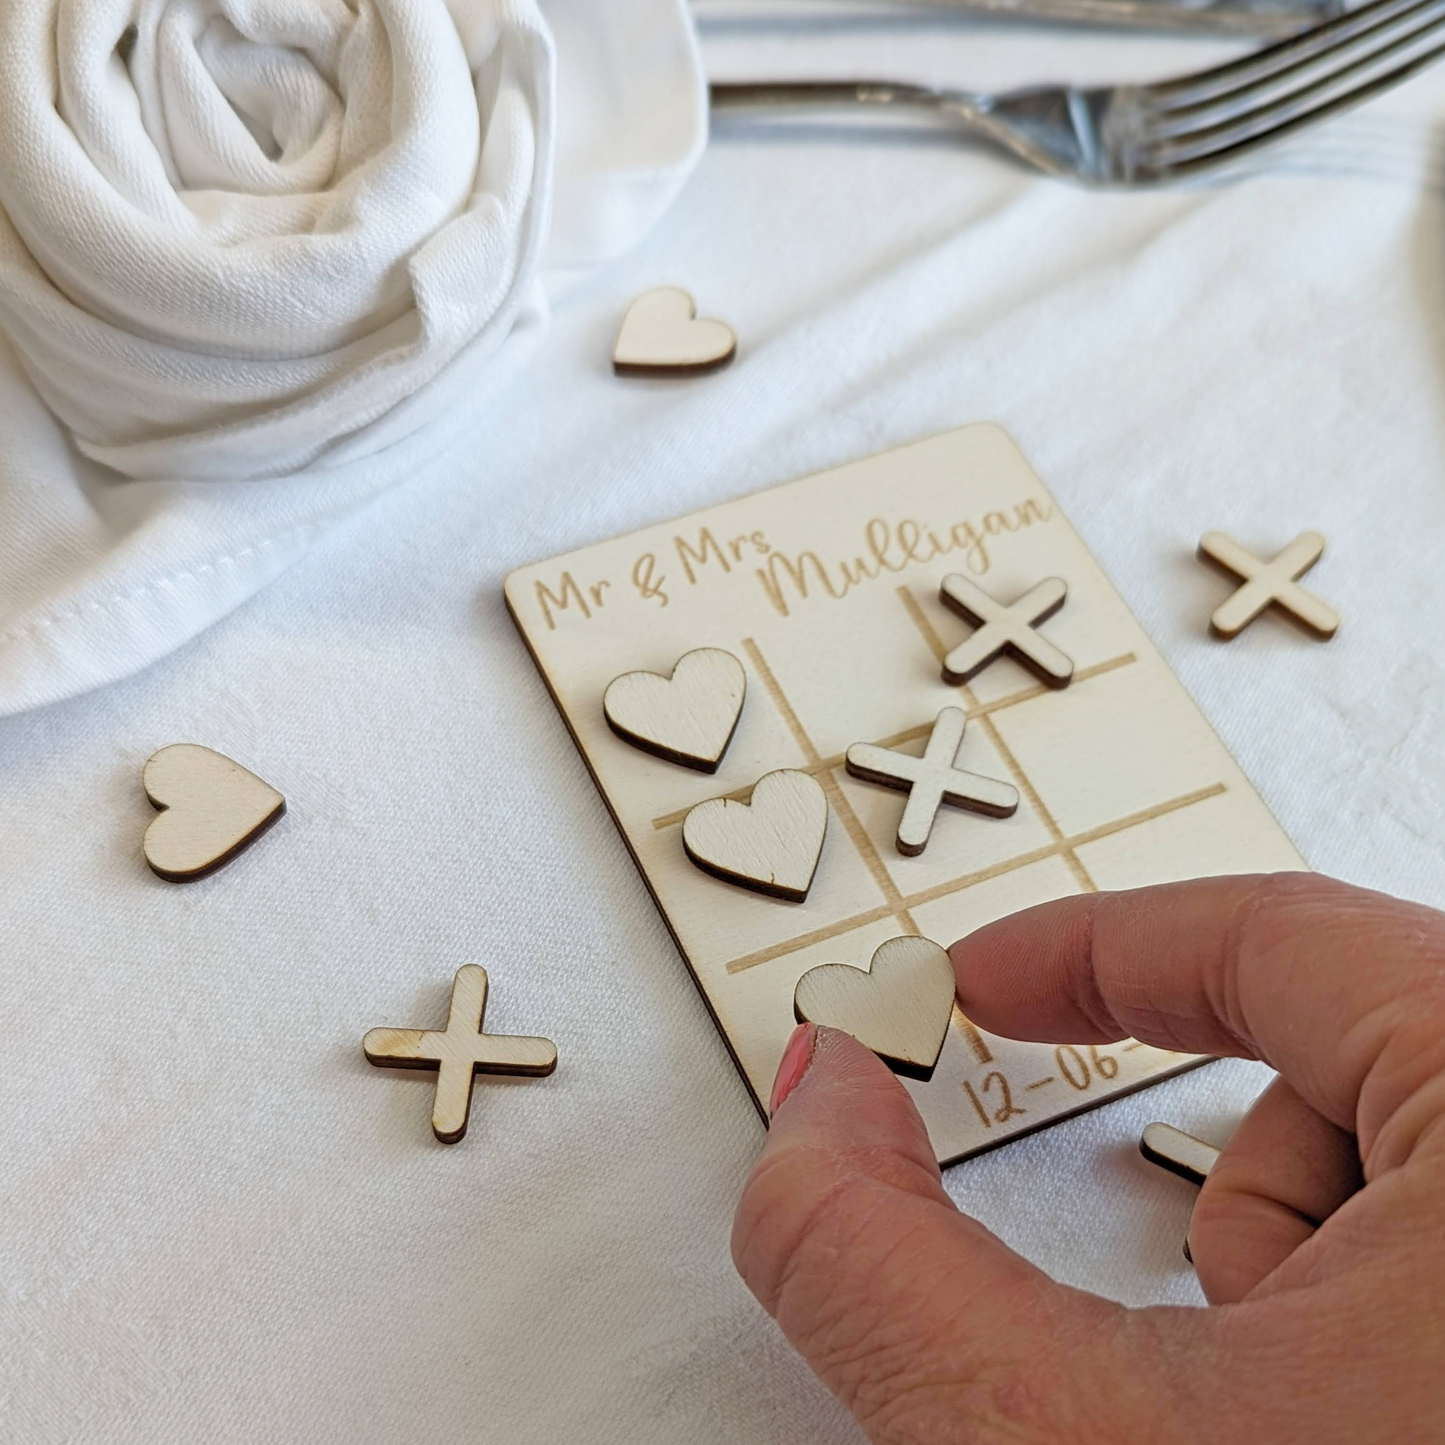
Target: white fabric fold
261	259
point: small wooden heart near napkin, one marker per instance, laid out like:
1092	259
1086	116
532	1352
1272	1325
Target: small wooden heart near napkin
662	335
212	808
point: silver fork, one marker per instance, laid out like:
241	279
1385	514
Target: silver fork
1257	18
1134	135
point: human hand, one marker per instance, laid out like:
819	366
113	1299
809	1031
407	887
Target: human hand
1319	1236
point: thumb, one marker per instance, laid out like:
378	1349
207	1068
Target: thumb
922	1322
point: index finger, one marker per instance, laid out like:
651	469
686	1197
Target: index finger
1340	989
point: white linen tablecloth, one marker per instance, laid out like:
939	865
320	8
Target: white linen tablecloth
220	1223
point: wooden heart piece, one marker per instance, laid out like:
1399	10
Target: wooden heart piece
662	335
687	718
900	1007
770	844
212	808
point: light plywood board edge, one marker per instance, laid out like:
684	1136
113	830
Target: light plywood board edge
628	843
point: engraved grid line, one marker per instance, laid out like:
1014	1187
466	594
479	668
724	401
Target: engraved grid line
911	735
897	905
852	824
1021	779
983	875
780	701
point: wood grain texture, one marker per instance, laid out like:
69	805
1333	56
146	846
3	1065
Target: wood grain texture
211	809
1006	631
899	1006
459	1052
1267	584
931	781
662	336
688	717
770	844
1178	1152
828	591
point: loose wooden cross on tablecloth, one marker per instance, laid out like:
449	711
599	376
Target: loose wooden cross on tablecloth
1268	584
459	1052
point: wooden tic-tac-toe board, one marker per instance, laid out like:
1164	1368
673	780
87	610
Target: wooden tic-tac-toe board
826	589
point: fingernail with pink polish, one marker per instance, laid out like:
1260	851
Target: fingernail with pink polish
794	1064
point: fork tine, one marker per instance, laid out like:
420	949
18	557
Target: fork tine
1139	135
1303	79
1211	146
1284	56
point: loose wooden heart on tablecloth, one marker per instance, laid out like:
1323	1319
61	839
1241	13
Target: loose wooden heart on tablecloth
687	718
212	808
899	1007
662	335
770	844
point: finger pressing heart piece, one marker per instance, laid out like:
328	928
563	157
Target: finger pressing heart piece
899	1007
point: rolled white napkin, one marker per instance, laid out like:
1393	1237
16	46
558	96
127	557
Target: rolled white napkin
272	246
238	234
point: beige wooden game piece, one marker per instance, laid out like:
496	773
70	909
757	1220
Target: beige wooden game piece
899	1006
827	591
931	781
459	1052
770	844
662	335
1178	1152
1005	629
211	809
1268	584
687	718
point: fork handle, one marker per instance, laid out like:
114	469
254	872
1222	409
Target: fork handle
1261	18
1034	128
962	107
771	94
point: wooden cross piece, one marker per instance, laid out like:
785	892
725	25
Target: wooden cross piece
1006	629
1266	584
931	780
1178	1152
459	1052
